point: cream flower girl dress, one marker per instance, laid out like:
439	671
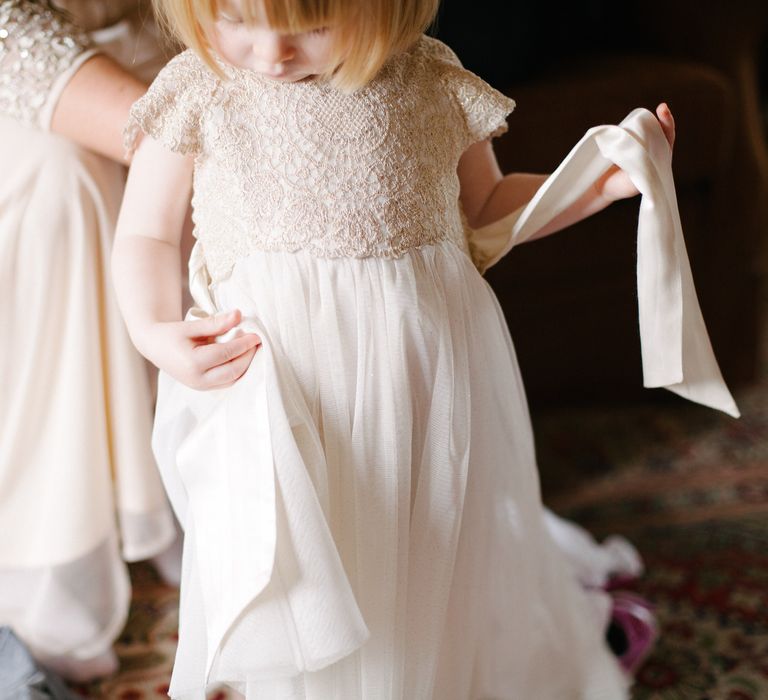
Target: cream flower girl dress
362	509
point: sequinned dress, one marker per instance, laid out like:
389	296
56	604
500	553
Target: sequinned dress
362	511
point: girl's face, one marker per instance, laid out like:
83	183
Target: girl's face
258	47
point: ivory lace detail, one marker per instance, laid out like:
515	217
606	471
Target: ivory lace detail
290	166
37	44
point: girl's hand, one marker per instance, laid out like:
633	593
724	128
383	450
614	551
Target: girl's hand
188	352
615	184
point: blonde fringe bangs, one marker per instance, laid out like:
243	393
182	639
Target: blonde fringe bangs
368	31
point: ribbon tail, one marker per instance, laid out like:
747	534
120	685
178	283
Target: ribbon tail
677	353
704	382
676	350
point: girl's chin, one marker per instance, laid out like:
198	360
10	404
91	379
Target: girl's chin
289	77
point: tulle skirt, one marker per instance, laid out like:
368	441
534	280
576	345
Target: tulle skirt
362	508
79	488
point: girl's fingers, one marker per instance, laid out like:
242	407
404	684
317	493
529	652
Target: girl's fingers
213	325
213	354
667	122
229	372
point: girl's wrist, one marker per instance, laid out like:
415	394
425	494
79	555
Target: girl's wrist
145	338
601	198
613	185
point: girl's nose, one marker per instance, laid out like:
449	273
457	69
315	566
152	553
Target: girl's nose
271	48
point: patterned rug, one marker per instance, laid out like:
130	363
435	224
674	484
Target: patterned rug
709	581
688	485
662	464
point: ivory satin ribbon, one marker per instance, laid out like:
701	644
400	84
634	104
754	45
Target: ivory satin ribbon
676	350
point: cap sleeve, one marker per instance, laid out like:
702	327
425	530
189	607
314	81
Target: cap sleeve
483	108
172	109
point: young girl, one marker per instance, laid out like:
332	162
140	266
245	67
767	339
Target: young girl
357	481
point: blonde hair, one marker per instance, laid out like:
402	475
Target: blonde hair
367	32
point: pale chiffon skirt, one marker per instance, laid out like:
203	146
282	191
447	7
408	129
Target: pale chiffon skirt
362	508
79	488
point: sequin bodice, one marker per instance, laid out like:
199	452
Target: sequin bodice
37	45
289	166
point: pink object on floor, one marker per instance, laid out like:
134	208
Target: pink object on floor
633	615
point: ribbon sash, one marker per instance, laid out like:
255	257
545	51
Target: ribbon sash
676	350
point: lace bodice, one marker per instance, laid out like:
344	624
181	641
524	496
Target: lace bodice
288	166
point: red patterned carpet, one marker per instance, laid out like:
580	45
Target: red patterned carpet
710	583
689	486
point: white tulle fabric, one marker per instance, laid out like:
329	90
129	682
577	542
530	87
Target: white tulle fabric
362	508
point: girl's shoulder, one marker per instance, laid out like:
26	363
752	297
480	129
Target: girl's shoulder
482	108
172	108
185	77
434	52
186	64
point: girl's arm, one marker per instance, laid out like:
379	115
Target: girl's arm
487	195
147	279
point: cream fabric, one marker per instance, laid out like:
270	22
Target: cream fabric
76	397
362	511
79	488
676	351
41	48
74	610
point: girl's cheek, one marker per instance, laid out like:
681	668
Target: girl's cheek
232	52
225	42
319	56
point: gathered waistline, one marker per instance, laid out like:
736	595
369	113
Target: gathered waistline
219	269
